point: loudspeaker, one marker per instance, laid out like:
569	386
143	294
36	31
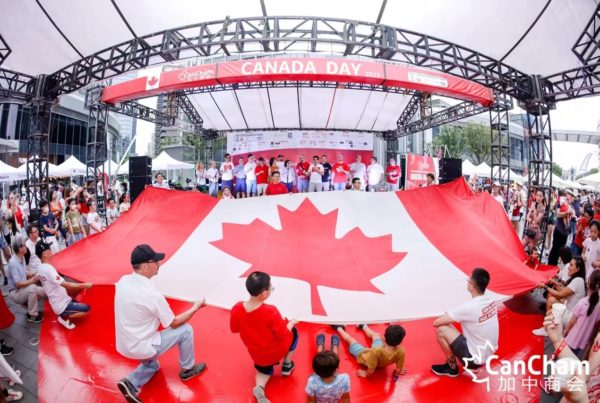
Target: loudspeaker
450	169
140	166
140	175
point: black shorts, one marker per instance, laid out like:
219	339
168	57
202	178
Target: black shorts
268	369
461	350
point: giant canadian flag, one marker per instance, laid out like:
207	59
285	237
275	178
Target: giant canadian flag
342	257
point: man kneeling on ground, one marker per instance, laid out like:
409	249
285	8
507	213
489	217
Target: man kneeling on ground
479	320
139	309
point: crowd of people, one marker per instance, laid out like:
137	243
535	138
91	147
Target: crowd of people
573	241
251	177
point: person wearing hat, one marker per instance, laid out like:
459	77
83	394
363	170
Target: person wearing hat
60	293
496	193
139	309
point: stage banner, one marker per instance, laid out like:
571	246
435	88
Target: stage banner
417	168
292	142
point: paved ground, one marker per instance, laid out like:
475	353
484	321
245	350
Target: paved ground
24	337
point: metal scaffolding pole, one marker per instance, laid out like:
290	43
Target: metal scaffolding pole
500	139
96	151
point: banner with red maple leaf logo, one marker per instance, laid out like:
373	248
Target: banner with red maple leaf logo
333	256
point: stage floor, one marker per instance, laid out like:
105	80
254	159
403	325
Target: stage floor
83	366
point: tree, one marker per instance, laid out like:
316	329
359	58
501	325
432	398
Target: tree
557	169
472	141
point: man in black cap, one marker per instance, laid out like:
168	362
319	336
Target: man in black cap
139	309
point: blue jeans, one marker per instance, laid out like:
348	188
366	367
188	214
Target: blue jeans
213	189
250	187
302	185
240	185
339	186
289	186
229	184
184	337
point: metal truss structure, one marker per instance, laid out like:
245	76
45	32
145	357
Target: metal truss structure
4	49
259	36
410	110
500	139
96	149
456	112
587	46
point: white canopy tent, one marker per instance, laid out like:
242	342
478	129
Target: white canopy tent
52	170
483	170
165	162
9	173
468	168
592	180
123	169
72	167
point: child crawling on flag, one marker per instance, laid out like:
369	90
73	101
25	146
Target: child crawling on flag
267	336
381	354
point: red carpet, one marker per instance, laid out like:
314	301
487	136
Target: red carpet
83	366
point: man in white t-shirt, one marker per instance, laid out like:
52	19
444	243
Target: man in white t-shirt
479	321
374	174
359	170
226	171
316	170
280	162
139	309
56	288
249	169
160	182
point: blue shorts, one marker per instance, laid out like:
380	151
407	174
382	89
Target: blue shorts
3	243
357	348
240	185
229	184
75	307
251	187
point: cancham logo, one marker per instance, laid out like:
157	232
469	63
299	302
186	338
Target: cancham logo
564	373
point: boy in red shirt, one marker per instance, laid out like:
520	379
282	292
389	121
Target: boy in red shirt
340	173
262	176
267	336
276	187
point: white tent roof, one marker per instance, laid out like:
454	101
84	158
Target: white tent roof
483	170
467	167
123	169
52	170
492	29
9	173
593	179
72	167
164	162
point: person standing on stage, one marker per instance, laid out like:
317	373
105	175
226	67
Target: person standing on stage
240	179
316	176
250	176
340	173
226	171
326	179
139	309
374	174
393	174
359	170
302	173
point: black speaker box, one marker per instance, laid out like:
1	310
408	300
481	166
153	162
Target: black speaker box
450	169
140	166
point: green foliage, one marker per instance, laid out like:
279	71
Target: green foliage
472	141
591	171
557	169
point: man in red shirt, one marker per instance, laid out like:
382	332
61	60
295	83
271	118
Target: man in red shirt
262	176
302	174
267	336
393	174
276	187
340	173
597	210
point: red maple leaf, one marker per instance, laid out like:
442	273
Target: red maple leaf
152	80
306	249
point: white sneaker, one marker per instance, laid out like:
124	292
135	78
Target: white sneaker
66	323
540	332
